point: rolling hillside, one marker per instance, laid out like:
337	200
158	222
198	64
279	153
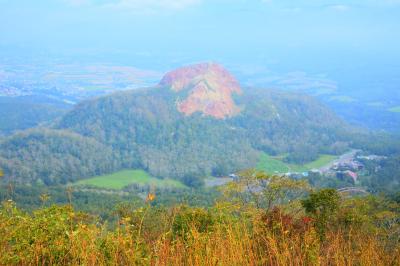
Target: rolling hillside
196	122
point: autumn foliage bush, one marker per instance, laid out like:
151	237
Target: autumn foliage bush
260	220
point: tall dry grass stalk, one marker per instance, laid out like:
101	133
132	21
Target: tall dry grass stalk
59	236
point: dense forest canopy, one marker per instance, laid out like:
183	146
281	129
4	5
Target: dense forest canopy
198	130
143	129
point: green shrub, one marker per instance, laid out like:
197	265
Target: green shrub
188	219
322	206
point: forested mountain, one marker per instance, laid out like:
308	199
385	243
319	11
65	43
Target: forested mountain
196	122
53	156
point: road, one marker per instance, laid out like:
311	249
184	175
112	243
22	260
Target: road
345	158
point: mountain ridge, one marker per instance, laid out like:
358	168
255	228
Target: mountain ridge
145	129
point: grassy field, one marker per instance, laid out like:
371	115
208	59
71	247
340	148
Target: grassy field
271	164
395	109
343	99
124	178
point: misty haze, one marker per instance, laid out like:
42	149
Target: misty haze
199	132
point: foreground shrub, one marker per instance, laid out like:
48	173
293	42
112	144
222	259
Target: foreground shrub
58	235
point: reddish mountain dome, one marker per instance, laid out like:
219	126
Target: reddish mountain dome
210	87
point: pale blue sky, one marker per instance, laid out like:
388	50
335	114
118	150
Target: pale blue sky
354	43
202	28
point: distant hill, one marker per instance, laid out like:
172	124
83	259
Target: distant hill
196	122
23	112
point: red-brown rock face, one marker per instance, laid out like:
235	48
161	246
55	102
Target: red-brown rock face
210	88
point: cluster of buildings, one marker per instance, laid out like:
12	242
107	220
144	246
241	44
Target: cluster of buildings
345	169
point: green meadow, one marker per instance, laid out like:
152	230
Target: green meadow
275	164
123	178
272	164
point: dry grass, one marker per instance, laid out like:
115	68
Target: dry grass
60	236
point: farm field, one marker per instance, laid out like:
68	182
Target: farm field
123	178
275	164
395	109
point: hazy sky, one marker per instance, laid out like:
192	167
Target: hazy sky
355	43
202	28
